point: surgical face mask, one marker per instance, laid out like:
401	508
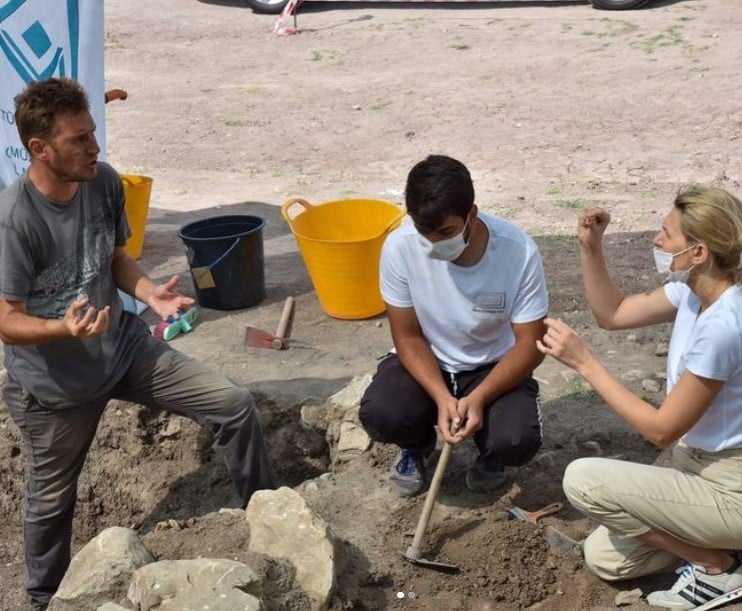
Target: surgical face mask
449	249
663	262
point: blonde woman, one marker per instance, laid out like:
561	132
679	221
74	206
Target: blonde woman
651	518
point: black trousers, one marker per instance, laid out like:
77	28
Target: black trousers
396	409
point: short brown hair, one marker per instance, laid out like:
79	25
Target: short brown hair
38	106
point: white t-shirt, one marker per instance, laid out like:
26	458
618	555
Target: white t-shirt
465	312
709	346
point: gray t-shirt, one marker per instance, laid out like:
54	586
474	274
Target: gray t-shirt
52	254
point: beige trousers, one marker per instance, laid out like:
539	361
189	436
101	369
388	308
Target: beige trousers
698	500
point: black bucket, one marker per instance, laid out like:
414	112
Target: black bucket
225	254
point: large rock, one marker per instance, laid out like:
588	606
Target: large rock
281	525
350	396
194	585
101	570
352	438
340	407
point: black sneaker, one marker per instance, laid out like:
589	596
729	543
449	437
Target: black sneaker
409	476
485	476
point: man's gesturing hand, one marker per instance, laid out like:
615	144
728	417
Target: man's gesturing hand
165	301
83	320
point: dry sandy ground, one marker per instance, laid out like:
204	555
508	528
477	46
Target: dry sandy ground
551	105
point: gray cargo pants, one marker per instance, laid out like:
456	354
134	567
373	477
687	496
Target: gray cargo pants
56	442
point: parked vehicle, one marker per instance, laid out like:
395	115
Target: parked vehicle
618	5
276	6
270	7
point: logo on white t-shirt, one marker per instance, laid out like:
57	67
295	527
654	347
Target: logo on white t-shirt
489	302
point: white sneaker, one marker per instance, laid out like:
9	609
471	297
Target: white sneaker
696	589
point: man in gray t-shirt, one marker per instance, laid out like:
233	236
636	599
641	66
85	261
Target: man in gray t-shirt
70	346
56	254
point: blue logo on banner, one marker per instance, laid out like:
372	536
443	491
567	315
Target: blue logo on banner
29	47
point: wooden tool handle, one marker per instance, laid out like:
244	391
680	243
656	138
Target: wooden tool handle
283	323
435	486
549	510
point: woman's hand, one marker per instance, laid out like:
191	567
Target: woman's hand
591	226
563	343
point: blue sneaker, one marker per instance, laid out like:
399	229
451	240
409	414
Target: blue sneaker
485	476
409	476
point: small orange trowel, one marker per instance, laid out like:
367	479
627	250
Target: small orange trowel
258	338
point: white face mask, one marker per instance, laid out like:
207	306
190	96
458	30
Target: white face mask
449	249
663	262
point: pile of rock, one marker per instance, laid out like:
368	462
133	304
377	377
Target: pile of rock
116	568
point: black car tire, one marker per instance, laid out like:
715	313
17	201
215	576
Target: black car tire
268	7
617	5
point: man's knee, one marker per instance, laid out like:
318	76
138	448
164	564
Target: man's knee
515	450
380	416
238	404
371	416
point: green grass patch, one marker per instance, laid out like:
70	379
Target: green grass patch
611	27
326	55
572	204
579	389
380	105
229	122
671	36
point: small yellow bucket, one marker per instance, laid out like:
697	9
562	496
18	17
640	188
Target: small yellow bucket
340	242
137	190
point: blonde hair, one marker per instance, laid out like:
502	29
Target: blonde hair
713	216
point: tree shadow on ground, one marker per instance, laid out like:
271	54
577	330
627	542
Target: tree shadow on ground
297	453
629	259
163	248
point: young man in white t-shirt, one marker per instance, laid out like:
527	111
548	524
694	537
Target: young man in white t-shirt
466	299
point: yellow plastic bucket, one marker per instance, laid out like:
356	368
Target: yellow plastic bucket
340	242
137	190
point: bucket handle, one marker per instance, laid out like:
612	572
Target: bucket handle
290	202
206	269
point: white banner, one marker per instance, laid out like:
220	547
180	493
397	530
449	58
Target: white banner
40	39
